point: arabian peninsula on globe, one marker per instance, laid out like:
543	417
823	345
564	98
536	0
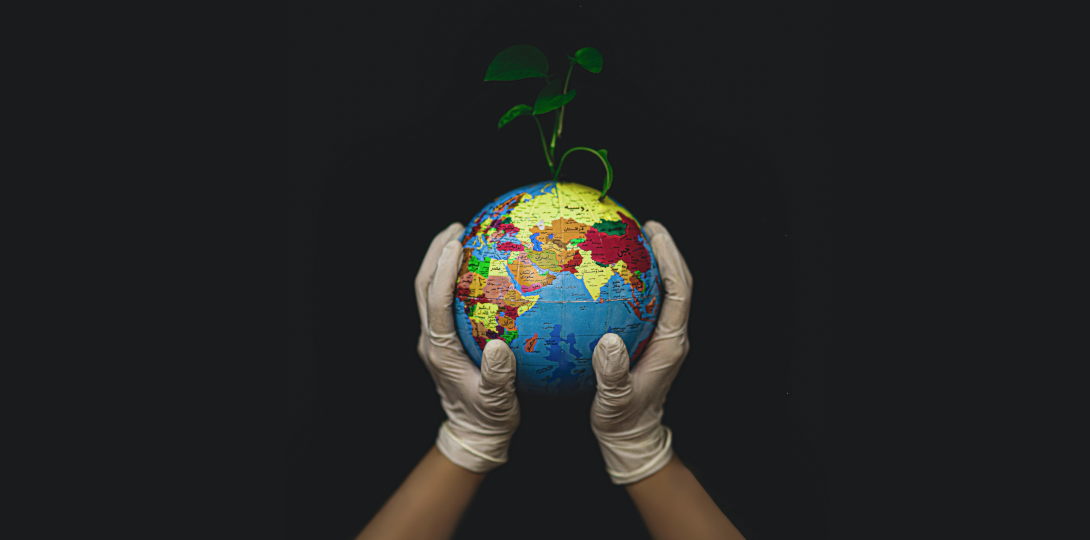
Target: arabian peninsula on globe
549	269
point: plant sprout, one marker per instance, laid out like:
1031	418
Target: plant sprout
524	62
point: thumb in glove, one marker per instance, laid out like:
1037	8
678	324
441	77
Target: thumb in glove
626	416
481	422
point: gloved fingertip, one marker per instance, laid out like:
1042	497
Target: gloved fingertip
607	343
497	362
612	343
660	240
451	256
496	350
610	358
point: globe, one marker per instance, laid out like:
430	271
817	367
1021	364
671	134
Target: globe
549	270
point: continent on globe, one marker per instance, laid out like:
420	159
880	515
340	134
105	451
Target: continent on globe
549	269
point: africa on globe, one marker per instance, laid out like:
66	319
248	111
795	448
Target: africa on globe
550	269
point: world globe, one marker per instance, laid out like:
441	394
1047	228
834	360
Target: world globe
549	270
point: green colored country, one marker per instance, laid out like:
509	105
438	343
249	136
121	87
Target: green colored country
612	228
577	241
510	336
479	266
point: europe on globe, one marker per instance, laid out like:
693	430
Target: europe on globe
549	269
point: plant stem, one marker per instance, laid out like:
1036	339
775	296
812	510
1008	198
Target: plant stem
560	128
548	158
609	168
556	125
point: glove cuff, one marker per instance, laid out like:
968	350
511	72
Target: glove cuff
630	464
462	454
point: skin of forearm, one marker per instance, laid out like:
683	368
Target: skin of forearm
675	506
429	503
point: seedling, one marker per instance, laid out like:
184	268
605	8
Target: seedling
524	62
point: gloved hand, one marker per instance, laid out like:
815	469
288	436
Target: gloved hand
627	412
482	411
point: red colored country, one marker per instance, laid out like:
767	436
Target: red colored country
508	228
608	249
573	263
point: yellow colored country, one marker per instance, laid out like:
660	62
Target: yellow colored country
593	276
580	203
486	315
477	285
496	267
622	270
531	209
561	200
526	307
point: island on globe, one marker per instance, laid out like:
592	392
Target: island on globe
549	269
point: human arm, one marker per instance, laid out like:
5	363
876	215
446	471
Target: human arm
429	503
674	505
481	407
626	415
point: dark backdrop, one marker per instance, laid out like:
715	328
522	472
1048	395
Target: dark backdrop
713	117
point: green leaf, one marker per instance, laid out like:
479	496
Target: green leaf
590	59
552	97
517	110
517	62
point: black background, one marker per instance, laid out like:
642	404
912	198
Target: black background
714	121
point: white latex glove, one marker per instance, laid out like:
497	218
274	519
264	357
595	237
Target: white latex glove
482	411
627	412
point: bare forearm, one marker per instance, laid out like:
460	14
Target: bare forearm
429	503
675	506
